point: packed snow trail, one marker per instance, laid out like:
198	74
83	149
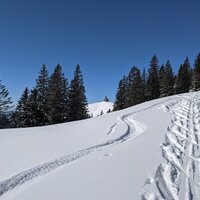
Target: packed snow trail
133	129
179	177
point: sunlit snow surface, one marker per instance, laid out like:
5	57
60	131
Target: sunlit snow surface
96	109
149	151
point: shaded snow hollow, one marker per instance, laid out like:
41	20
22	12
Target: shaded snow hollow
148	151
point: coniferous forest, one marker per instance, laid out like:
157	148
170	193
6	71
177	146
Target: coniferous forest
54	100
158	81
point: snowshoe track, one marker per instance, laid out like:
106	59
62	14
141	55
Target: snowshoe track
179	177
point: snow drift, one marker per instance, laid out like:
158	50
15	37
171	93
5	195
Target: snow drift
149	151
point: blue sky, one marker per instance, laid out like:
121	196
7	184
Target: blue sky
105	37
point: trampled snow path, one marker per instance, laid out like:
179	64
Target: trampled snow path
133	129
179	177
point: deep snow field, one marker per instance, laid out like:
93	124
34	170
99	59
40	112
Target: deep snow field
95	109
149	151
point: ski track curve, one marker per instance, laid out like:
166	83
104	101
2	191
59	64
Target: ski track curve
178	178
133	129
112	129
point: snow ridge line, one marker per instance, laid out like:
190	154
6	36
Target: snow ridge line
133	129
179	177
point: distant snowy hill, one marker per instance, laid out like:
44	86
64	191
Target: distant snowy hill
96	109
149	151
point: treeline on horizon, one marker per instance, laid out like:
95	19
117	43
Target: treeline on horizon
158	81
53	100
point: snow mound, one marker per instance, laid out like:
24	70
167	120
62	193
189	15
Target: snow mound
95	109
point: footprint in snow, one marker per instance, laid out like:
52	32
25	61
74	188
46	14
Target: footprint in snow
108	154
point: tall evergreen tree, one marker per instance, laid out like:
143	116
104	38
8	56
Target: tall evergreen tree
162	75
170	78
5	100
42	84
77	99
144	82
153	87
196	74
134	87
183	79
5	106
34	111
166	79
21	116
65	92
121	95
57	98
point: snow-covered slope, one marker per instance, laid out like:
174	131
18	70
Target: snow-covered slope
150	151
95	109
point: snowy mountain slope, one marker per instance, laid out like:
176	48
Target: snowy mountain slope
115	156
95	109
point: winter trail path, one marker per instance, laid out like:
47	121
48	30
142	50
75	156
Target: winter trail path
178	178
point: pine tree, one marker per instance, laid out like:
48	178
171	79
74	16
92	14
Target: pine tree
134	87
162	81
153	87
109	110
144	82
106	99
5	106
77	99
57	97
121	95
65	93
42	84
5	100
166	80
183	79
21	116
169	79
34	111
196	74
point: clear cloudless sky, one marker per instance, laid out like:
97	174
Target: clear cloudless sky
106	37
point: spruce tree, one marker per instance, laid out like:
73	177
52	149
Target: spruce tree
5	106
162	81
21	116
106	99
65	93
121	95
134	87
153	87
109	110
77	99
144	82
183	79
34	111
5	100
57	97
166	79
169	79
42	84
196	74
